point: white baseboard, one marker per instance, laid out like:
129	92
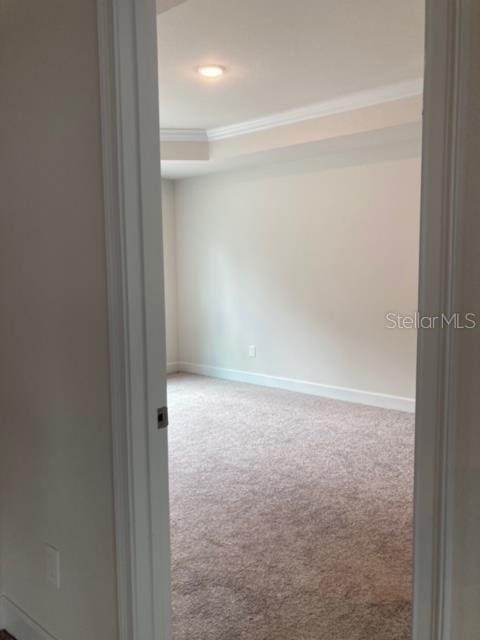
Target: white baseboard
19	624
173	367
371	398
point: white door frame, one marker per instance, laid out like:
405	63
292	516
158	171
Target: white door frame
444	521
127	35
130	134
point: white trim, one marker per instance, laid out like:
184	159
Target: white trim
133	229
446	426
359	100
166	5
19	624
114	237
173	367
358	396
183	135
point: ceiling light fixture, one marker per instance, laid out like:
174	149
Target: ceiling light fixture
211	71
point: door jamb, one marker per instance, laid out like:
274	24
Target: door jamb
128	73
451	29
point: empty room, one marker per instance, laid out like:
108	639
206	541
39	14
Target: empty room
291	164
282	197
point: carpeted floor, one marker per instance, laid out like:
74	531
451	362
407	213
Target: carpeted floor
291	515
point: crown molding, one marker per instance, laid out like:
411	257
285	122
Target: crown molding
183	135
359	100
165	5
387	93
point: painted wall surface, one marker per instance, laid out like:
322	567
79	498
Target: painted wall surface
170	266
56	470
303	260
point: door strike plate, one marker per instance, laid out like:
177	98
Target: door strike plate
162	417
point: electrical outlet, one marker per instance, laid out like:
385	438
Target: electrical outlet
52	565
252	351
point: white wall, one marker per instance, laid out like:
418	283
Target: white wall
170	266
55	449
303	260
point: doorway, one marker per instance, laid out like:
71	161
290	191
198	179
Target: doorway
143	557
291	230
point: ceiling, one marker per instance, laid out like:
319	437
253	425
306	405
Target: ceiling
280	55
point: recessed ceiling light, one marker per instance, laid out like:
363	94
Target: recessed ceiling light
211	71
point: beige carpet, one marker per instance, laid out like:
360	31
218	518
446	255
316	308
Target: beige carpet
291	515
